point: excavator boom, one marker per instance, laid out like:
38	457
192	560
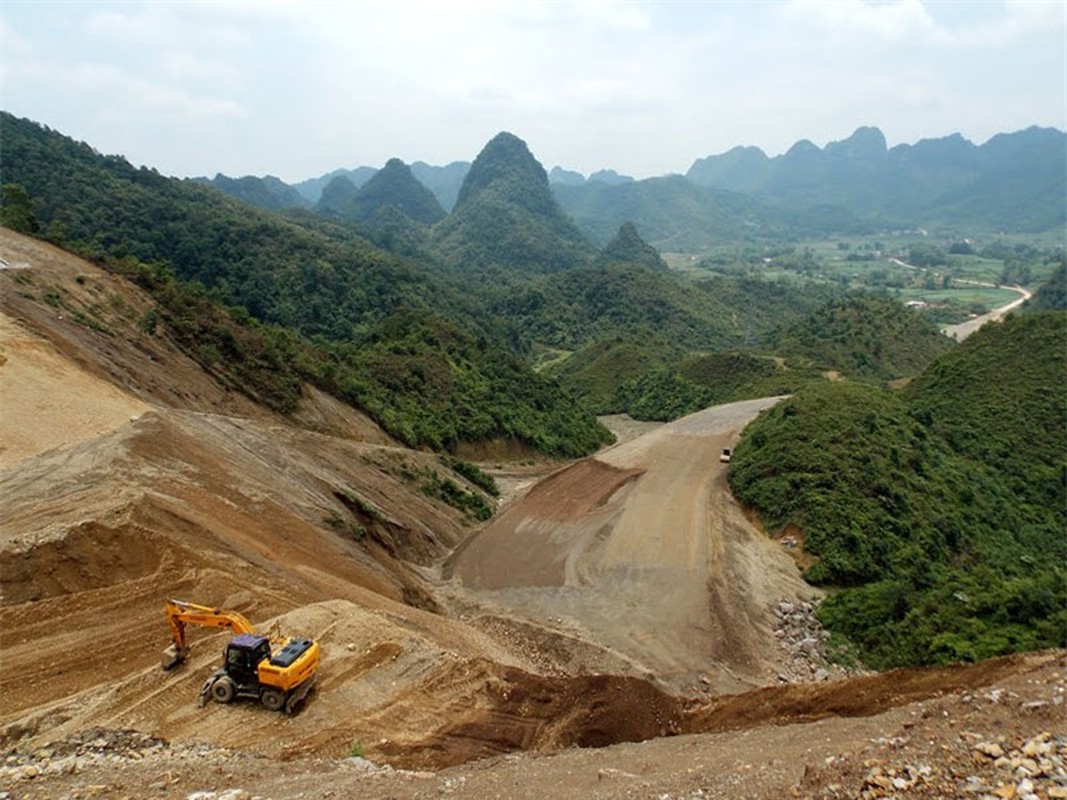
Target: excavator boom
180	614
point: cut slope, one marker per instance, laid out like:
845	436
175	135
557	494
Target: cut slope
46	401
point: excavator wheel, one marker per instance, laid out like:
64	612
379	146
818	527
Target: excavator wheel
223	690
273	699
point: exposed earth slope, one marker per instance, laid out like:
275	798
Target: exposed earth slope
642	550
129	475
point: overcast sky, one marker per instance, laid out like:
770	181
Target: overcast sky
296	89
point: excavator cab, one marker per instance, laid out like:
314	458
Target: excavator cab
243	656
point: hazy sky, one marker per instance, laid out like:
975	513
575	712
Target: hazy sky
296	89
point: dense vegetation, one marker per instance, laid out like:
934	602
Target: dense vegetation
1051	295
866	337
629	248
658	377
391	187
506	216
938	512
323	303
269	192
664	388
334	283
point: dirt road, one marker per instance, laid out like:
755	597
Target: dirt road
643	550
965	329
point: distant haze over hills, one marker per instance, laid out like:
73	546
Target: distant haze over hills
863	174
1015	181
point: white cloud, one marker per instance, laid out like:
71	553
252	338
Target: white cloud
298	87
894	21
125	95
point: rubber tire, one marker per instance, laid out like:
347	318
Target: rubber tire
223	690
273	699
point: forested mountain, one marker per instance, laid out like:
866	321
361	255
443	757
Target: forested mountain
327	280
268	192
1052	295
337	195
393	337
626	323
505	216
444	182
941	507
1012	182
629	248
311	189
391	187
862	337
566	176
662	377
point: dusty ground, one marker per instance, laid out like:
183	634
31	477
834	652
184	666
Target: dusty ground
642	550
612	601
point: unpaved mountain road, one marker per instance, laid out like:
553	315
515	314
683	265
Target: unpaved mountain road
965	329
643	550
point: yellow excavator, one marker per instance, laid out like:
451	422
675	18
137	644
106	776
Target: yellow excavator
279	673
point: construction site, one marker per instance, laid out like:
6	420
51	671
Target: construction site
620	627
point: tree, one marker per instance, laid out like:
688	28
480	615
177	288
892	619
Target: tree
17	209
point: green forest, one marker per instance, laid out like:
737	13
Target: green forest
937	513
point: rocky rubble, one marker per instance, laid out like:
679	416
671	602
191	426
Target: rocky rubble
1023	756
98	751
800	634
129	765
94	747
1014	773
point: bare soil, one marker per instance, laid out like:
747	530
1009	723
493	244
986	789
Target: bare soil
610	633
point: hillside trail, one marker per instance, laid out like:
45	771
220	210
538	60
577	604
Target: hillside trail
611	602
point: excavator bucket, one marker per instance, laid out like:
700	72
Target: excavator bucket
171	658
